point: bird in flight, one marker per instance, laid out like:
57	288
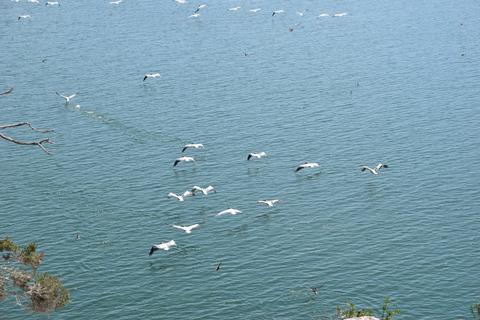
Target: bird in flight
269	202
115	2
152	75
200	7
302	13
306	165
164	246
218	267
52	3
186	229
235	9
195	15
24	17
323	15
229	210
256	155
180	197
184	159
195	145
374	171
246	54
1	94
36	1
340	15
314	290
204	190
67	98
291	29
255	10
43	60
278	11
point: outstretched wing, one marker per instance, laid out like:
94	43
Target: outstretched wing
1	94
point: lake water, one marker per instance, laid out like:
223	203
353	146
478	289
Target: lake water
385	84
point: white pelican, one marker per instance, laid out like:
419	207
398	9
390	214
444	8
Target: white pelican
306	165
1	94
200	7
195	145
24	17
323	15
36	1
186	229
235	9
152	75
255	10
229	210
314	290
269	202
164	246
218	267
67	98
291	29
180	1
115	2
204	190
302	13
184	159
195	15
256	155
374	171
340	15
52	3
278	11
180	197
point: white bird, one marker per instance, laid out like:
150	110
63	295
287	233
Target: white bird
186	229
234	9
204	190
374	171
195	145
256	155
67	98
339	15
269	202
255	10
306	165
180	197
200	7
164	246
152	75
36	1
184	159
278	11
115	2
195	15
52	3
302	13
229	210
180	1
24	17
323	15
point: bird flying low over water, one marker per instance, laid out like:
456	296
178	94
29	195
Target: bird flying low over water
306	165
278	11
340	15
374	171
291	29
115	2
255	10
256	155
234	9
229	210
204	190
24	17
200	7
314	290
1	94
218	267
269	202
184	159
152	75
52	3
302	13
186	229
195	15
164	246
194	145
67	98
323	15
180	197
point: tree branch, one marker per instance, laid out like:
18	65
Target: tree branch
38	143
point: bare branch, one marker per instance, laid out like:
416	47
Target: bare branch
38	143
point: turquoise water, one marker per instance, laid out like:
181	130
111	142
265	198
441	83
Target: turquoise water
410	232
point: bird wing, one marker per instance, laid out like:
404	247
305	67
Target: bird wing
152	250
223	212
145	78
73	95
249	156
184	148
61	95
210	188
195	188
176	162
1	94
187	193
300	167
275	201
196	225
318	287
381	165
296	26
171	194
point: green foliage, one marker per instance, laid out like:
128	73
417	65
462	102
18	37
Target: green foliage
388	315
476	315
41	293
352	311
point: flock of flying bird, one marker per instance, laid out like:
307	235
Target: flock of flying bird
205	191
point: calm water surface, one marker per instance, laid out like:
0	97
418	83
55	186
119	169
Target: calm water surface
410	233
